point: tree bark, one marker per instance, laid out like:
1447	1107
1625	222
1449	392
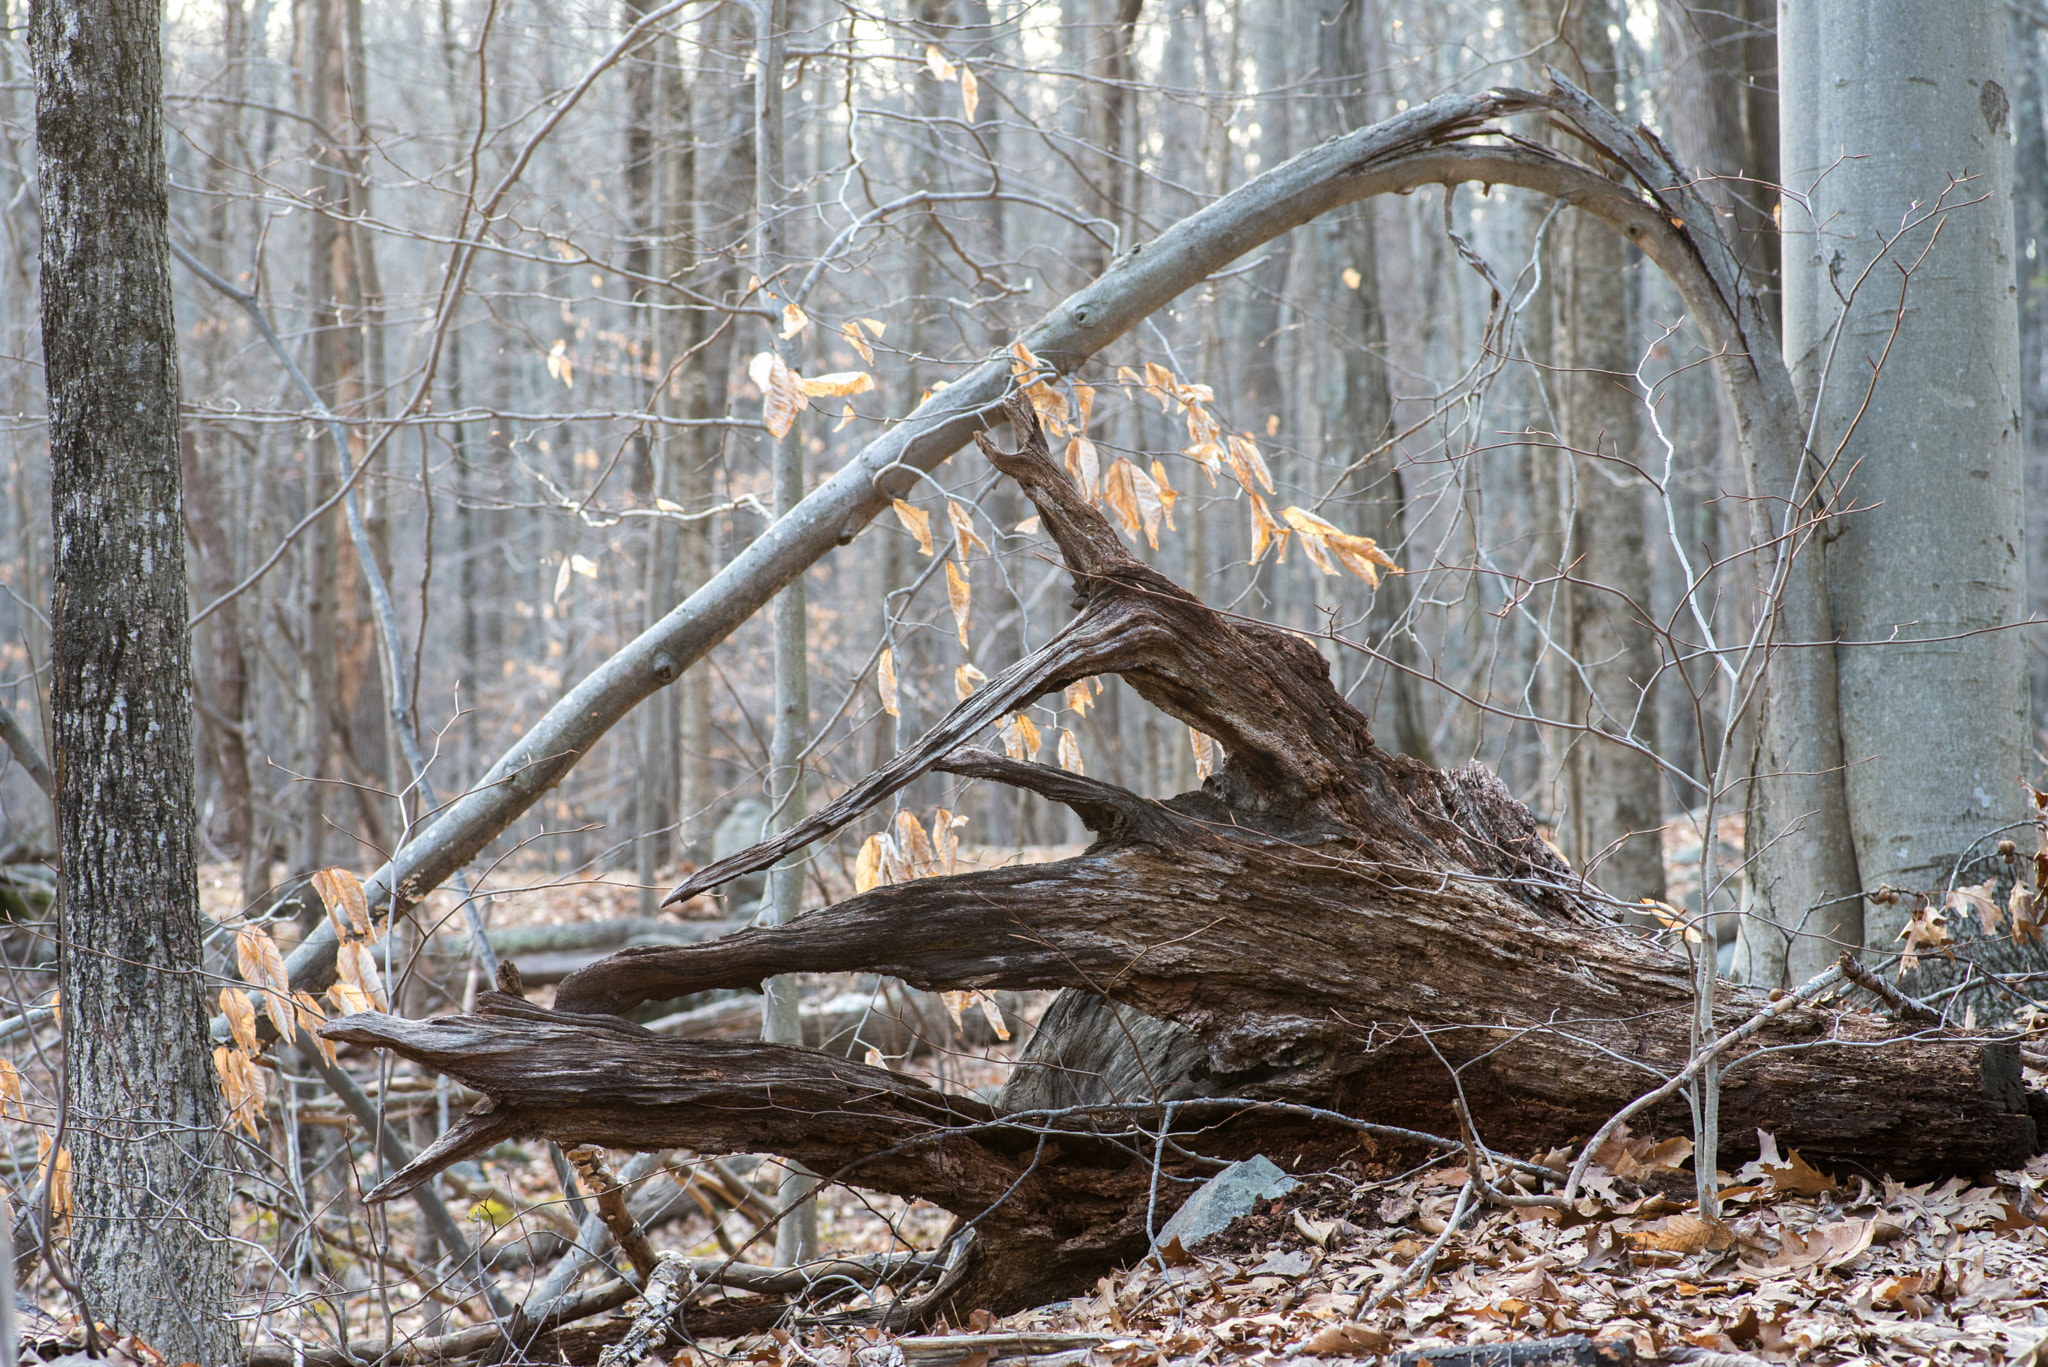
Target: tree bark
142	1113
1337	927
1922	462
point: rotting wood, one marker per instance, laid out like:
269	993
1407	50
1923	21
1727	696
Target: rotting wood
1326	919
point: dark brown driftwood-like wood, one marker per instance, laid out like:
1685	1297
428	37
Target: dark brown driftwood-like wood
1330	924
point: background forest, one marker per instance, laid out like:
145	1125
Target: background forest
504	327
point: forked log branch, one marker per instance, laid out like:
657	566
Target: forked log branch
1330	923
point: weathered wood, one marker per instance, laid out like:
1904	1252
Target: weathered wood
1323	923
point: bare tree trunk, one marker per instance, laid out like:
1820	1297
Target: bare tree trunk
142	1112
796	1238
1612	807
1905	100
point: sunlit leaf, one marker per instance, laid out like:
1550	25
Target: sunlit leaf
794	320
1078	697
1028	527
959	597
1352	279
838	385
783	398
874	1057
936	63
584	566
560	367
1246	462
966	678
850	330
867	865
845	417
885	681
1325	542
874	326
916	521
1265	530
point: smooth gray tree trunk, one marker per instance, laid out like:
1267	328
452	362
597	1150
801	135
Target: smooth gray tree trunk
142	1118
1893	103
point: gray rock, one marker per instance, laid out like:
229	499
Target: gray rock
1224	1199
740	829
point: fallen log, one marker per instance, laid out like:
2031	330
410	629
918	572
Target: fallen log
1323	924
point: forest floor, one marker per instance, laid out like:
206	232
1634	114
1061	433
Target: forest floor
1804	1266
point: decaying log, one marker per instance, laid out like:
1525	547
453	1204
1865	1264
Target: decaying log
1323	923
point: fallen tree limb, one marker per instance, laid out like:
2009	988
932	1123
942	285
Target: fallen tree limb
1326	919
1326	925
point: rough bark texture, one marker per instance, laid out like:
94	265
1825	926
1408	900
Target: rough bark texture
142	1123
1323	922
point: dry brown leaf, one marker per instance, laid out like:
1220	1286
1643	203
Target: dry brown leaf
993	1014
1681	1234
1118	493
867	865
839	384
917	846
782	393
1352	279
1980	898
1347	1340
850	330
966	678
1829	1246
874	326
1083	467
1800	1178
885	681
936	63
970	92
11	1106
1021	739
310	1019
349	999
1325	543
356	965
1205	754
1265	530
234	1004
846	416
794	320
1246	463
560	367
1070	753
341	892
963	528
1166	494
960	597
916	521
955	1003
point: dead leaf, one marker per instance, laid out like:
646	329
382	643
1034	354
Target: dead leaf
917	846
885	681
916	521
1347	1340
1829	1246
867	865
560	367
341	892
1078	697
970	92
794	320
993	1014
1980	898
963	528
1681	1234
234	1004
960	598
1070	753
262	966
356	965
936	63
1205	754
1265	530
1799	1178
966	678
956	1002
839	384
850	330
1317	1232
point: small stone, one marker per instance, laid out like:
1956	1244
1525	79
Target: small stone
1224	1199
